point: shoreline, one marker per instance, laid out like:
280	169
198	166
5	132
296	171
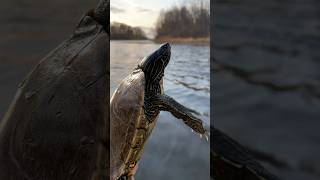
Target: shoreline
189	41
193	41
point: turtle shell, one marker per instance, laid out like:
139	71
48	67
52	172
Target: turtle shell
129	127
57	124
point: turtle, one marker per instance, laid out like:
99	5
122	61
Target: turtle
134	109
57	126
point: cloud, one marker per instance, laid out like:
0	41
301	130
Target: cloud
143	10
116	10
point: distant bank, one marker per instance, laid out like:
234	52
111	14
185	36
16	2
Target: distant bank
185	24
189	41
121	31
179	40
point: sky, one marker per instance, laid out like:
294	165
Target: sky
142	13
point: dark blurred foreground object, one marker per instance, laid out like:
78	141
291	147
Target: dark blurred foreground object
231	161
57	126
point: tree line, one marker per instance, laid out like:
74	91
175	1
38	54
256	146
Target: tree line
120	31
186	21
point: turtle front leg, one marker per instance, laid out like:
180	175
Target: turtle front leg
167	103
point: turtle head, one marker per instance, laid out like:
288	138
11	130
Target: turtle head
153	66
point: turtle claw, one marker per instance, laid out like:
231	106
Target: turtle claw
205	135
207	138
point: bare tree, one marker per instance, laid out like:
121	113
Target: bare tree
189	20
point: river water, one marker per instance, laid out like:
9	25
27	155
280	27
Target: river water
173	151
